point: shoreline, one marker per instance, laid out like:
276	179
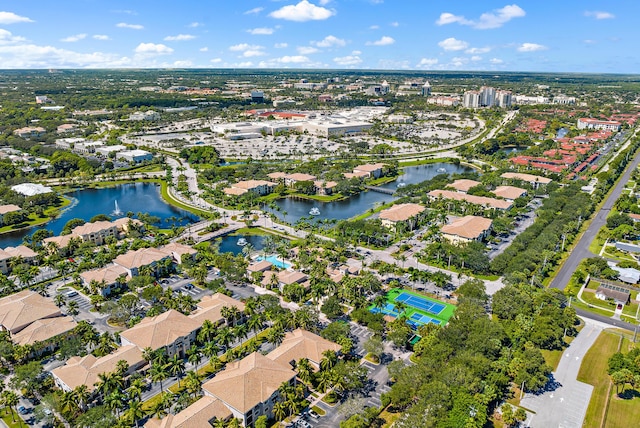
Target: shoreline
66	203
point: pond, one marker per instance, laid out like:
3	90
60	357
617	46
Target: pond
134	197
356	205
229	243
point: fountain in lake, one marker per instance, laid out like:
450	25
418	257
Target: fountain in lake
117	211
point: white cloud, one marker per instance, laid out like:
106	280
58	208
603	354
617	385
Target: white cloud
330	41
195	25
531	47
307	50
130	26
374	27
478	50
293	59
180	38
35	56
589	42
348	60
384	41
453	44
301	12
254	11
262	31
153	49
244	64
216	60
427	62
324	2
101	37
12	18
598	14
244	47
204	49
281	45
395	24
356	52
74	38
496	61
251	53
476	58
182	64
487	20
7	38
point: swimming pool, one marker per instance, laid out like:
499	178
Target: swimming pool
274	260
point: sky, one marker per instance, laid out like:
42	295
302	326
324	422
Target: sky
526	35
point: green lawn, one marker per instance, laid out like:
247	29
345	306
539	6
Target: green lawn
34	220
594	372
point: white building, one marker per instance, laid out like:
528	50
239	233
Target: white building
145	115
426	89
88	147
471	99
105	150
31	189
503	99
134	156
487	96
68	143
607	125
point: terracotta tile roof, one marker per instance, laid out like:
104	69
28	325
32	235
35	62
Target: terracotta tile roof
260	266
210	308
360	174
298	176
85	370
235	191
19	310
122	223
42	330
252	184
199	414
248	382
141	257
325	184
9	209
469	227
401	212
62	240
21	251
509	192
176	250
277	175
161	330
95	227
4	255
526	177
463	185
302	344
107	274
478	200
369	167
291	277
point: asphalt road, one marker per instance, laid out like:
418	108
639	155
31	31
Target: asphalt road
581	250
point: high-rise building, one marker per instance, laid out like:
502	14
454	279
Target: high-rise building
503	98
471	99
487	96
426	89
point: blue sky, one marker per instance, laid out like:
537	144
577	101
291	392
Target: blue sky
525	35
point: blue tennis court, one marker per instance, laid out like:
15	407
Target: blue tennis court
423	319
387	309
420	303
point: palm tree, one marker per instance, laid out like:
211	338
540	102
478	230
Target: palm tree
215	362
72	308
207	331
193	383
10	399
175	367
194	356
135	412
275	336
210	349
241	331
158	373
305	371
325	380
225	336
159	409
82	394
135	389
255	323
59	299
148	354
69	402
329	359
105	384
279	410
114	401
380	301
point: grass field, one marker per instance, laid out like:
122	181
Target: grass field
443	316
594	372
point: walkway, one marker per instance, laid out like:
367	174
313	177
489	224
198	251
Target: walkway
564	403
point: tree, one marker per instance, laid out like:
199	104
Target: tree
374	347
135	412
175	367
305	371
158	373
279	410
329	359
194	356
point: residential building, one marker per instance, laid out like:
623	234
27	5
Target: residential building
324	187
124	224
509	193
30	132
133	261
31	189
106	278
471	99
249	387
22	252
85	370
171	331
203	413
503	98
260	187
211	308
292	179
261	266
463	185
534	180
66	127
492	203
607	125
406	214
487	96
45	335
426	89
467	229
178	251
300	344
373	170
444	101
96	232
134	156
285	277
621	296
5	209
5	260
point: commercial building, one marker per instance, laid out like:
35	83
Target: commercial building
134	156
467	229
31	189
105	150
607	125
145	115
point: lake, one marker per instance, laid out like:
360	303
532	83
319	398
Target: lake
135	197
229	243
356	205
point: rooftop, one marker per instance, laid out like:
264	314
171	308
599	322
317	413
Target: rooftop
509	192
44	329
302	344
401	212
470	227
19	310
463	185
478	200
162	330
197	415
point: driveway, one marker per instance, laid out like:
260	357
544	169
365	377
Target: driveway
564	404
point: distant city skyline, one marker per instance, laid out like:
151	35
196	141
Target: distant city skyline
540	36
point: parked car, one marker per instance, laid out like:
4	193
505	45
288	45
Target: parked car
22	410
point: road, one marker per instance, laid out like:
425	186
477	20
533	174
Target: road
581	250
564	402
